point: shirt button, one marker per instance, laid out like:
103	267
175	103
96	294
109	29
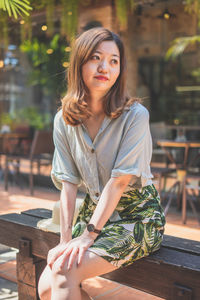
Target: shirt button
92	150
97	194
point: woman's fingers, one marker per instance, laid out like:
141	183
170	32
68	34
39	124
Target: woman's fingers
80	255
72	257
54	254
64	257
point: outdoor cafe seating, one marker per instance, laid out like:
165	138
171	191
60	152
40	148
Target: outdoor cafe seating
178	154
40	153
176	166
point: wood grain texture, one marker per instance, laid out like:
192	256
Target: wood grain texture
26	292
15	227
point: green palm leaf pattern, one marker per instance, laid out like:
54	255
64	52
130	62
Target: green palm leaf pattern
138	233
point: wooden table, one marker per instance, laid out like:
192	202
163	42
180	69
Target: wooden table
181	168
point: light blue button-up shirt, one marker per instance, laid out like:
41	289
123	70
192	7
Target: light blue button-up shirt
122	146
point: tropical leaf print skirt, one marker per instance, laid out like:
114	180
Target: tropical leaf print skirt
134	231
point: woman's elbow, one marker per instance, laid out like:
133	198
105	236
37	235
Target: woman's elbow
122	181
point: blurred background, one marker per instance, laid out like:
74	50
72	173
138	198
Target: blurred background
162	47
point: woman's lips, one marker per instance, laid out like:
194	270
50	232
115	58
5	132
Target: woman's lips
103	78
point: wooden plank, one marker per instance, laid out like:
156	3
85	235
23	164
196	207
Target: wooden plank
176	258
185	245
41	213
12	231
158	277
14	218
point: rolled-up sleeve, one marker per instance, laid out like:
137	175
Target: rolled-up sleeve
63	165
135	151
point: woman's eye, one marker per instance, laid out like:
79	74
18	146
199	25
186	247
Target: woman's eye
94	57
114	61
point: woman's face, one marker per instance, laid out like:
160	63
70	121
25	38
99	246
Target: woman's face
103	68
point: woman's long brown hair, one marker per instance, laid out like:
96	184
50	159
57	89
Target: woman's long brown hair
74	104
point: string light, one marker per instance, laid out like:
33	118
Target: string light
49	51
176	121
166	16
67	49
44	27
65	64
1	64
22	22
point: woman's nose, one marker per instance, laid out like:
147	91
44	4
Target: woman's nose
103	67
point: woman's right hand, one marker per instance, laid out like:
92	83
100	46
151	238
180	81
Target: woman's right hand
55	252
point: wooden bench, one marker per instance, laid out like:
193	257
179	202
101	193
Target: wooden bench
173	272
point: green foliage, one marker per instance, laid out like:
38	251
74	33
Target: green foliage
122	9
196	74
193	6
50	16
29	116
6	119
69	18
179	45
16	7
32	117
47	69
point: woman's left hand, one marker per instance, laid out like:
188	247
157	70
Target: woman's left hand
76	249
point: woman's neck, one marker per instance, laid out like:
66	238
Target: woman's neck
96	105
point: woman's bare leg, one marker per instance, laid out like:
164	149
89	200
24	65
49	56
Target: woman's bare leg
65	285
44	287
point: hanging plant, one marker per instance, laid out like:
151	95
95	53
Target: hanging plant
193	6
121	12
26	29
69	18
122	9
4	29
180	44
50	16
16	7
45	59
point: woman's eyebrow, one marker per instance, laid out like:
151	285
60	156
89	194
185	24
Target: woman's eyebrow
97	51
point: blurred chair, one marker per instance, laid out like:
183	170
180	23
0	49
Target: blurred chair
159	164
191	194
41	153
162	174
159	131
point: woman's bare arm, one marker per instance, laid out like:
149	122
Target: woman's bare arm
67	208
109	200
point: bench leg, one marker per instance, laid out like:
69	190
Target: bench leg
28	273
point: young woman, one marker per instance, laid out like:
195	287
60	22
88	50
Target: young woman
101	138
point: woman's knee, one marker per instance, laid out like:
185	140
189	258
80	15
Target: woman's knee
44	285
63	276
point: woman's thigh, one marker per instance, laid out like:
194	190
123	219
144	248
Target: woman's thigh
92	265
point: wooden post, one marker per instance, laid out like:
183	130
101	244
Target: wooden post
29	269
